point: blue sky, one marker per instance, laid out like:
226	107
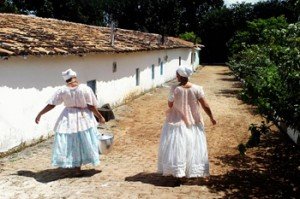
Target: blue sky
229	2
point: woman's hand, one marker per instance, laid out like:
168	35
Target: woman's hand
102	120
207	110
38	118
45	110
213	121
96	113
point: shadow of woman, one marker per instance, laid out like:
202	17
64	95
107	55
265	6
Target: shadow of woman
50	175
168	181
234	184
154	179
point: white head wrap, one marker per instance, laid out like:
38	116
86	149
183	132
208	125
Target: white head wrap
68	74
184	71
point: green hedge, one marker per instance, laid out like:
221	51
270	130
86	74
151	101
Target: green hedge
267	57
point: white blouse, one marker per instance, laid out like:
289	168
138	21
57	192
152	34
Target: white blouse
186	105
76	117
79	96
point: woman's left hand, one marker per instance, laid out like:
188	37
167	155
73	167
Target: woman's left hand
213	121
38	118
102	120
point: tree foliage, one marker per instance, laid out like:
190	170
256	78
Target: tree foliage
170	17
82	11
219	25
267	57
190	36
216	30
7	6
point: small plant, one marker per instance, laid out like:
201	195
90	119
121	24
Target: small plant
242	149
190	36
254	139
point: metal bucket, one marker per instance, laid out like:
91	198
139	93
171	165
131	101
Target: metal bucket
106	141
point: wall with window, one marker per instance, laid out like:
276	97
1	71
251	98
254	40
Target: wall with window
27	83
136	73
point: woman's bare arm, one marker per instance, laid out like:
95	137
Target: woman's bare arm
47	108
207	110
97	113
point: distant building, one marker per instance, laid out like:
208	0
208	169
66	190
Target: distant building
116	64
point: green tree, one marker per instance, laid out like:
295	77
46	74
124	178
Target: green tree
253	34
241	13
192	12
267	57
7	6
216	29
156	16
293	10
190	36
82	11
275	8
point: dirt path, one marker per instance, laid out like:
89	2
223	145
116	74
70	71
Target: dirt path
129	170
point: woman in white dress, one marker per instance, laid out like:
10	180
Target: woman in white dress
183	148
75	142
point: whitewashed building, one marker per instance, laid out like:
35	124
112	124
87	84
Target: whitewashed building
117	64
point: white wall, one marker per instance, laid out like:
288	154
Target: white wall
27	83
197	60
124	80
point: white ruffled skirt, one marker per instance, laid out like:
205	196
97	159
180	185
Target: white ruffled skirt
183	151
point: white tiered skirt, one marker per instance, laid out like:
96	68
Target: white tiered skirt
183	151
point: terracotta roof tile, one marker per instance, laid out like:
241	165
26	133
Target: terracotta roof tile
28	35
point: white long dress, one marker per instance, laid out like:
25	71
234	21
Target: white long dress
75	141
183	148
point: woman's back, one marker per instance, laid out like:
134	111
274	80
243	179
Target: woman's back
186	104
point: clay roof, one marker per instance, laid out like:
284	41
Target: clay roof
29	35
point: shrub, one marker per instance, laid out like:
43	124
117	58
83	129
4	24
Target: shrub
267	57
190	36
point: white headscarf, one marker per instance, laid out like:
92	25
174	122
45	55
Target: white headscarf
68	74
184	71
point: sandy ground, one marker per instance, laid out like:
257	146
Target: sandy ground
129	170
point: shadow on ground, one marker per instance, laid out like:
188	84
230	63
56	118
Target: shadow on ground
228	92
225	73
271	170
229	79
50	175
234	91
236	85
154	179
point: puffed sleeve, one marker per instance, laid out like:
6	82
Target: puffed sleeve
90	97
200	92
171	94
56	99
